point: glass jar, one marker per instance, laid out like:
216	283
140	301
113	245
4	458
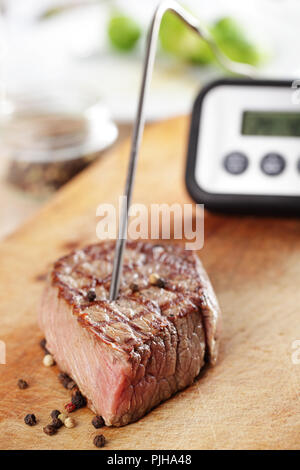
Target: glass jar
50	137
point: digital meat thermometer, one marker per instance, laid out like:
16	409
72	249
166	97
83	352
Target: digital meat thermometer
244	147
232	67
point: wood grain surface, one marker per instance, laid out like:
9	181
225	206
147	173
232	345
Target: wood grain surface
249	400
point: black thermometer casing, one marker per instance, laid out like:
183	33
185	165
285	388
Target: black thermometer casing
234	203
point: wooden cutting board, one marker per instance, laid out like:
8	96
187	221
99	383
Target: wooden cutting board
249	400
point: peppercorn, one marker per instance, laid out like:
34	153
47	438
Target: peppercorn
99	440
156	280
48	360
66	381
50	430
69	423
91	295
43	346
71	384
30	420
22	384
57	423
62	417
134	287
70	407
78	400
98	422
55	414
161	283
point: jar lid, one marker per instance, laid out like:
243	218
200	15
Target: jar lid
47	129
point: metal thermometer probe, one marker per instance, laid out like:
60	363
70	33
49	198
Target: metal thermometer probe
233	67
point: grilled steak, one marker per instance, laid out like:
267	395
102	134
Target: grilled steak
129	355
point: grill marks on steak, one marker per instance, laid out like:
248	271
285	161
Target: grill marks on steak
137	316
129	355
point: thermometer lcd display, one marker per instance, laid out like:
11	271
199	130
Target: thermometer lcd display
271	123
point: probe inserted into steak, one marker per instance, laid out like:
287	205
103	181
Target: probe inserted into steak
128	355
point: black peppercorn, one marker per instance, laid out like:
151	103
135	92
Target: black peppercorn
78	400
66	381
50	430
134	287
30	419
99	440
55	414
43	346
71	385
98	422
22	384
57	423
91	295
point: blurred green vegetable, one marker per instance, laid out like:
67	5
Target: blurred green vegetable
123	32
232	40
176	38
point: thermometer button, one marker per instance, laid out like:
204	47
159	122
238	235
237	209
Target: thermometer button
272	164
236	163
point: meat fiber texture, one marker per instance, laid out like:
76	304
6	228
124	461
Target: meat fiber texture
129	355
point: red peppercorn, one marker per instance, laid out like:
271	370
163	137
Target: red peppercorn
70	407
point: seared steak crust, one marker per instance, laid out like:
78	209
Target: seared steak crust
129	355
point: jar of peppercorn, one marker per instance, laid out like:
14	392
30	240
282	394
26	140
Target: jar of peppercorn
51	136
